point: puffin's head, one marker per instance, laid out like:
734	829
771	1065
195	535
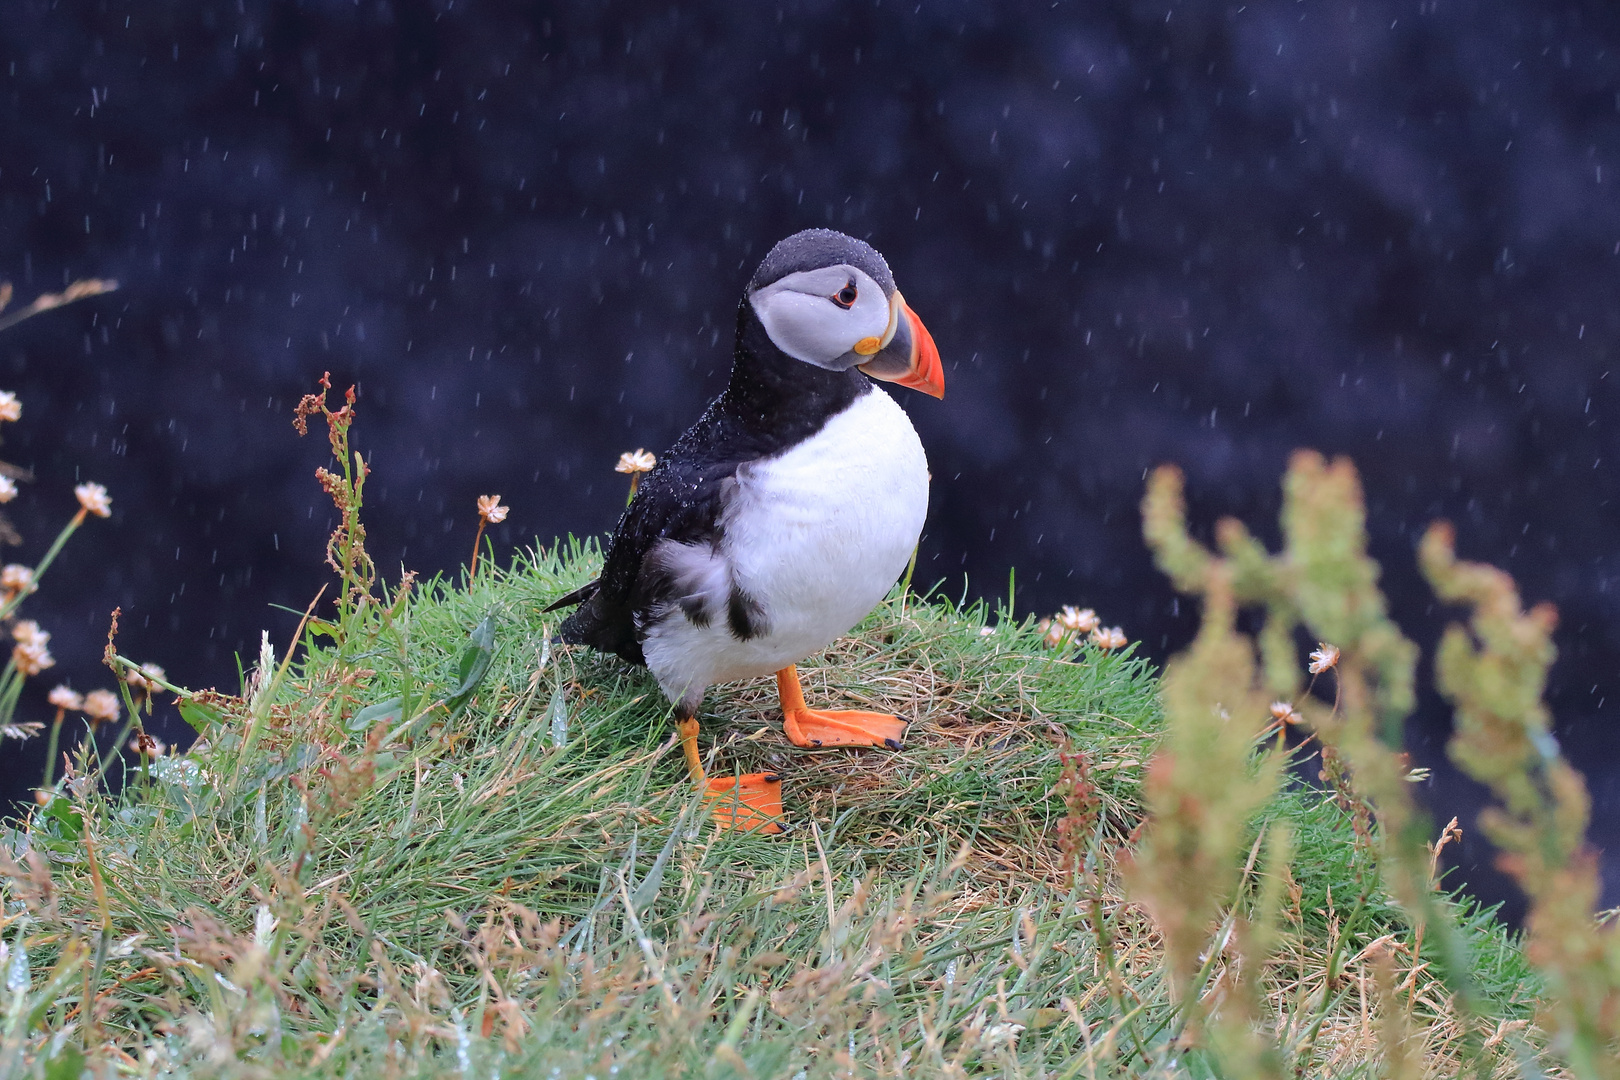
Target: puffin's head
829	300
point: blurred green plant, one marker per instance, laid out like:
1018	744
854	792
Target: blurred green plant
1494	672
1214	770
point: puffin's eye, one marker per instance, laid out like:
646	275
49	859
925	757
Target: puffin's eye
846	296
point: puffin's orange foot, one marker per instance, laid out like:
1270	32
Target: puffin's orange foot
751	802
843	727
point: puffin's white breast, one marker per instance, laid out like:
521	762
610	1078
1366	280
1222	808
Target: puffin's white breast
816	535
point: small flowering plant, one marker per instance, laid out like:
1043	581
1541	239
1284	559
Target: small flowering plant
30	649
490	512
1073	625
18	581
30	643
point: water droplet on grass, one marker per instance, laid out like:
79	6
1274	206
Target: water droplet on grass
558	712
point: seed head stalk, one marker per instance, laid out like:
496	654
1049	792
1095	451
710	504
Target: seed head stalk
346	548
51	744
11	682
354	564
490	512
48	301
478	543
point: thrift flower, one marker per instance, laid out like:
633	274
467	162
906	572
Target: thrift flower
1325	656
8	489
101	706
27	632
16	578
1283	712
94	498
32	657
491	510
635	464
10	407
1111	637
638	462
1080	620
64	698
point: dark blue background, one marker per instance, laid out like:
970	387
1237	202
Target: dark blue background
1140	232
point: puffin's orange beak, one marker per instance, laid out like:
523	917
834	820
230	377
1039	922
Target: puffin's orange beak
908	355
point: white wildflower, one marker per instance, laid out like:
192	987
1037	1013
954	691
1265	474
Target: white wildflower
16	578
491	510
94	498
639	461
1325	657
101	706
1080	620
1111	637
27	632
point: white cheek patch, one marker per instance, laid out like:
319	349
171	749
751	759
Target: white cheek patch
806	327
801	318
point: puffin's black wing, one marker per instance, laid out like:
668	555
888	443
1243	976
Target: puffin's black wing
680	500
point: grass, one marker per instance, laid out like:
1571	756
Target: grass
449	847
428	840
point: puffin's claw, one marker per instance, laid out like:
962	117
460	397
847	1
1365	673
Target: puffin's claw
843	727
833	727
749	803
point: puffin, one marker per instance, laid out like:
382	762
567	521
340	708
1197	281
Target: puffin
783	516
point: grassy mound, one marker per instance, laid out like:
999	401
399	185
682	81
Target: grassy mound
449	846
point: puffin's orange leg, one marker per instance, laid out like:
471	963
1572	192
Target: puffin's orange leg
833	727
751	802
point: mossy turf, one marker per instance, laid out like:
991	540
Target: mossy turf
450	846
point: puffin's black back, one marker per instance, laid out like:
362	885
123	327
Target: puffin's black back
771	403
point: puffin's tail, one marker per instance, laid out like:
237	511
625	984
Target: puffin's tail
578	596
588	626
